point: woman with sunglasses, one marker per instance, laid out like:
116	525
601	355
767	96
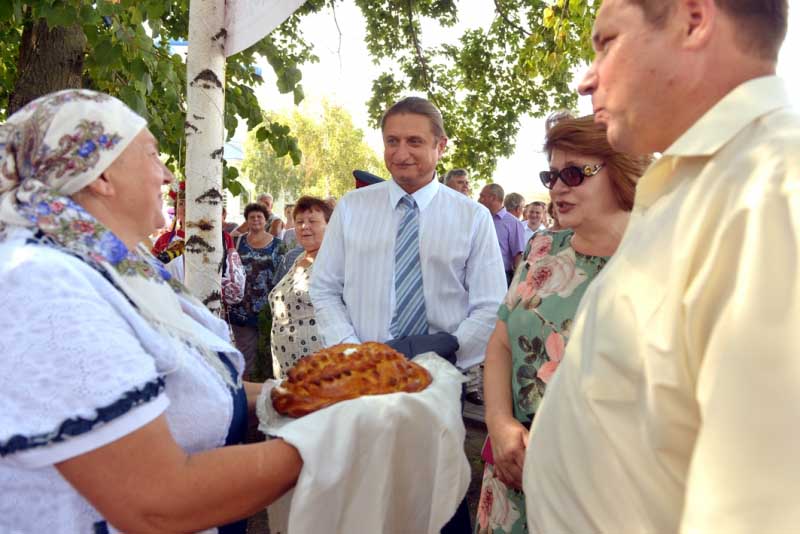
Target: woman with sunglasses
592	189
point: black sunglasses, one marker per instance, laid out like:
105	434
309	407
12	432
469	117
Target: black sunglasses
571	176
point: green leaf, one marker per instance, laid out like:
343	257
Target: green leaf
107	55
6	10
133	99
298	95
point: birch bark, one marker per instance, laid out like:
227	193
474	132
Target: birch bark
204	128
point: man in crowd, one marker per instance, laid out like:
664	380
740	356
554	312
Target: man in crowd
675	406
409	258
265	199
510	231
459	180
537	215
514	204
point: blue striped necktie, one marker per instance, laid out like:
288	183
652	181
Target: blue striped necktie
409	313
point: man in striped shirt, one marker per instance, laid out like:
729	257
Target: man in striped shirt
353	284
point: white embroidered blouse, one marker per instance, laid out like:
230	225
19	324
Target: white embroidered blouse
80	369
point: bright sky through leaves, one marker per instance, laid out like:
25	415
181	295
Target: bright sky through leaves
345	72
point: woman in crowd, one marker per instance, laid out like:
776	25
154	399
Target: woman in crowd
592	187
170	243
170	248
289	237
261	253
119	389
294	329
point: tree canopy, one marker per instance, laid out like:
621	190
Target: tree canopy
332	148
484	83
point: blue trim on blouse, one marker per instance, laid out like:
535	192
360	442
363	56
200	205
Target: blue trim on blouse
79	425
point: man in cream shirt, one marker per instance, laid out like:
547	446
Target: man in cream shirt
675	407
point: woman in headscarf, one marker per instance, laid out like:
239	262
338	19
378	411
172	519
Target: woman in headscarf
119	390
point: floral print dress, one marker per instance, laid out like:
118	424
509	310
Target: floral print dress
260	265
538	311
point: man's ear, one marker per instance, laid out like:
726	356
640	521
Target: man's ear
698	20
441	144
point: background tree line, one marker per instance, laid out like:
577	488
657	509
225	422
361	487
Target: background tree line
331	148
484	83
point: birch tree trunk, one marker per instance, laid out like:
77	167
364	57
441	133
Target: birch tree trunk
204	128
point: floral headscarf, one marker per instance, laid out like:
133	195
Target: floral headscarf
54	147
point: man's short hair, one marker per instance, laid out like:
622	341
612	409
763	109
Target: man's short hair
513	201
497	191
762	24
417	106
452	174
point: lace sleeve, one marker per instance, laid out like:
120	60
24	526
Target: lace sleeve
73	376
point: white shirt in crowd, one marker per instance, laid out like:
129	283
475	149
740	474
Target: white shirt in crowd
352	287
529	233
675	407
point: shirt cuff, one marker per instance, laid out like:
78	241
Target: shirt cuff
102	435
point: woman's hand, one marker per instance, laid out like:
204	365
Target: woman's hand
509	440
509	437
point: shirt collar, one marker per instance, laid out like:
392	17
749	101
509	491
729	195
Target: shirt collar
422	196
746	103
730	115
500	214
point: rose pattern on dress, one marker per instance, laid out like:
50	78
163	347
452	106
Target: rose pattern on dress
495	509
540	247
556	275
538	311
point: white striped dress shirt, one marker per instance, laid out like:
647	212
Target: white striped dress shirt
352	287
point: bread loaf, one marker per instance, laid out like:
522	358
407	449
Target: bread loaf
343	372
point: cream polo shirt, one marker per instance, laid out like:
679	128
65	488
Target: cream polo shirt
677	405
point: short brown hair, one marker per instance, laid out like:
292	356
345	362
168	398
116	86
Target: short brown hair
513	201
255	206
312	203
762	23
417	106
584	136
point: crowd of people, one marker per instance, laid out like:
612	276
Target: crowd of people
635	334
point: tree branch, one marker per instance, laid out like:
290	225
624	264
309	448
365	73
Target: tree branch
426	77
339	31
505	18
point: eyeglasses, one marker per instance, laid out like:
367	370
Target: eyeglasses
571	176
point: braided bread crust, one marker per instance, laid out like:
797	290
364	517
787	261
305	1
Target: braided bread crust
344	372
